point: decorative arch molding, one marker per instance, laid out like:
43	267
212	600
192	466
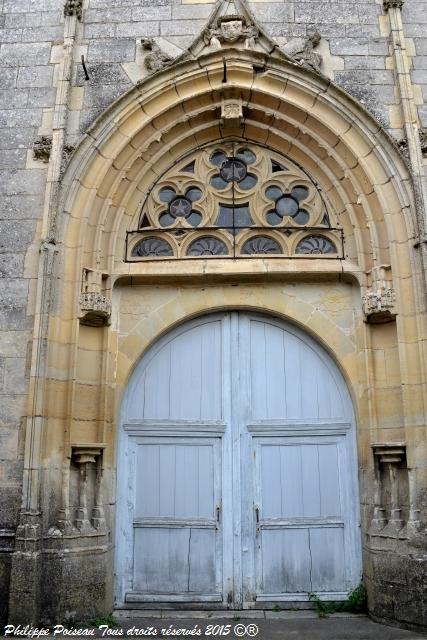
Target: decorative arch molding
279	105
298	113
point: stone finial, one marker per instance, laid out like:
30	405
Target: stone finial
301	50
231	113
393	4
73	8
423	140
42	146
95	309
379	305
231	29
155	59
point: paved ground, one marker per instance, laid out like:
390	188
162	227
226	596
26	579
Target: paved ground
269	625
283	625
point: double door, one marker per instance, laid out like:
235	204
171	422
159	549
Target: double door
237	476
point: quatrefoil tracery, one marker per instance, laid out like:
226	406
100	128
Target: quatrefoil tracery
234	200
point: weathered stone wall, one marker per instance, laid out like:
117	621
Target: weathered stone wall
29	30
356	53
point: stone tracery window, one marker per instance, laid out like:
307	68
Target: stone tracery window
234	200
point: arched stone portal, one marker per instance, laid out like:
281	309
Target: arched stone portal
98	310
237	474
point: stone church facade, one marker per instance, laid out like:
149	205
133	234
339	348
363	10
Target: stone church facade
213	334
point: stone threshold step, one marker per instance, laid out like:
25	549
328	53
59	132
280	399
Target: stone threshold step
168	614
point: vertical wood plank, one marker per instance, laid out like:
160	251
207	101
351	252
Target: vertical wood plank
202	564
275	380
166	480
258	370
271	482
327	553
147	481
286	561
157	386
293	376
310	480
211	375
330	497
205	484
292	490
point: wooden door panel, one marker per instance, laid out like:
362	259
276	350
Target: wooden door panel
300	532
161	560
182	380
288	378
175	561
305	478
285	561
327	559
177	536
175	481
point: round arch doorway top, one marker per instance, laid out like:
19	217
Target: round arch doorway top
237	476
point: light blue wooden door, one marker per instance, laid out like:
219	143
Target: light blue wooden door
170	537
177	541
298	468
237	477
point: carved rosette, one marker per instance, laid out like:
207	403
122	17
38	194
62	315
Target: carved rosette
379	306
42	147
94	309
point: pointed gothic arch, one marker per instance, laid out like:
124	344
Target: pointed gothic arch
292	111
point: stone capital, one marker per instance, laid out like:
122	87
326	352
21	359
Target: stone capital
393	4
390	452
88	452
73	8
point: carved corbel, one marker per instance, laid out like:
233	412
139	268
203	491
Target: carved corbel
73	8
231	113
379	306
379	299
95	309
94	305
42	147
